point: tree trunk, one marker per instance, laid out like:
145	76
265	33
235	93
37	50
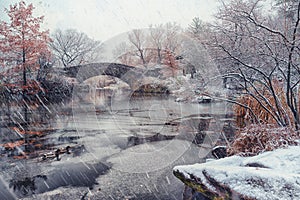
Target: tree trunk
24	96
158	56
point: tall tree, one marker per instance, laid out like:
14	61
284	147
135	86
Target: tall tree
22	43
137	38
156	38
287	8
196	27
172	39
264	54
151	46
71	47
199	30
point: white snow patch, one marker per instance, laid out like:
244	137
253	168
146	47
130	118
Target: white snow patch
274	175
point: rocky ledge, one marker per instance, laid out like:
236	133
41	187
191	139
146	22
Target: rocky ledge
270	175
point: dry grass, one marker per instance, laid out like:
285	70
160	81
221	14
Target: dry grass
263	133
255	139
245	117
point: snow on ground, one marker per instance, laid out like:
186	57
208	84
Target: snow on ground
270	175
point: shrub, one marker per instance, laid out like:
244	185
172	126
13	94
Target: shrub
265	107
255	139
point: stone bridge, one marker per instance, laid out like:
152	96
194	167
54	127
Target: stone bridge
126	73
136	78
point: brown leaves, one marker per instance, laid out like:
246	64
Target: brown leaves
267	107
255	139
266	136
31	88
11	145
31	133
21	40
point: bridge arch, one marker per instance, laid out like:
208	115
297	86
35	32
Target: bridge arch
128	74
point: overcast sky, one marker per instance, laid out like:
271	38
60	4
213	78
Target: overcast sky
103	19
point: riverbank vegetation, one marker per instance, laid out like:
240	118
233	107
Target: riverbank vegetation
259	49
256	52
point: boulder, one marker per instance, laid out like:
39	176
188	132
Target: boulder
270	175
219	152
202	99
140	139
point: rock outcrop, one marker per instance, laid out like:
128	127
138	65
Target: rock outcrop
270	175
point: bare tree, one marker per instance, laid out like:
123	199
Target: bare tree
172	40
263	51
157	38
155	44
71	47
123	54
138	39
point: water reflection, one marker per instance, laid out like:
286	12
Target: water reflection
109	125
79	175
26	186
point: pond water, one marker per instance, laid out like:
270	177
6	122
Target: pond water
118	142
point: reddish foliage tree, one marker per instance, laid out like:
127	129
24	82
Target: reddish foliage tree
22	45
170	61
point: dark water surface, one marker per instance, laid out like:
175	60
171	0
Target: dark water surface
129	146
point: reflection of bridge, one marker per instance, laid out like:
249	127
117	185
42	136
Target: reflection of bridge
126	73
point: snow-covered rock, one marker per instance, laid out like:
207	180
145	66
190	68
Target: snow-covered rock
202	99
180	99
268	176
